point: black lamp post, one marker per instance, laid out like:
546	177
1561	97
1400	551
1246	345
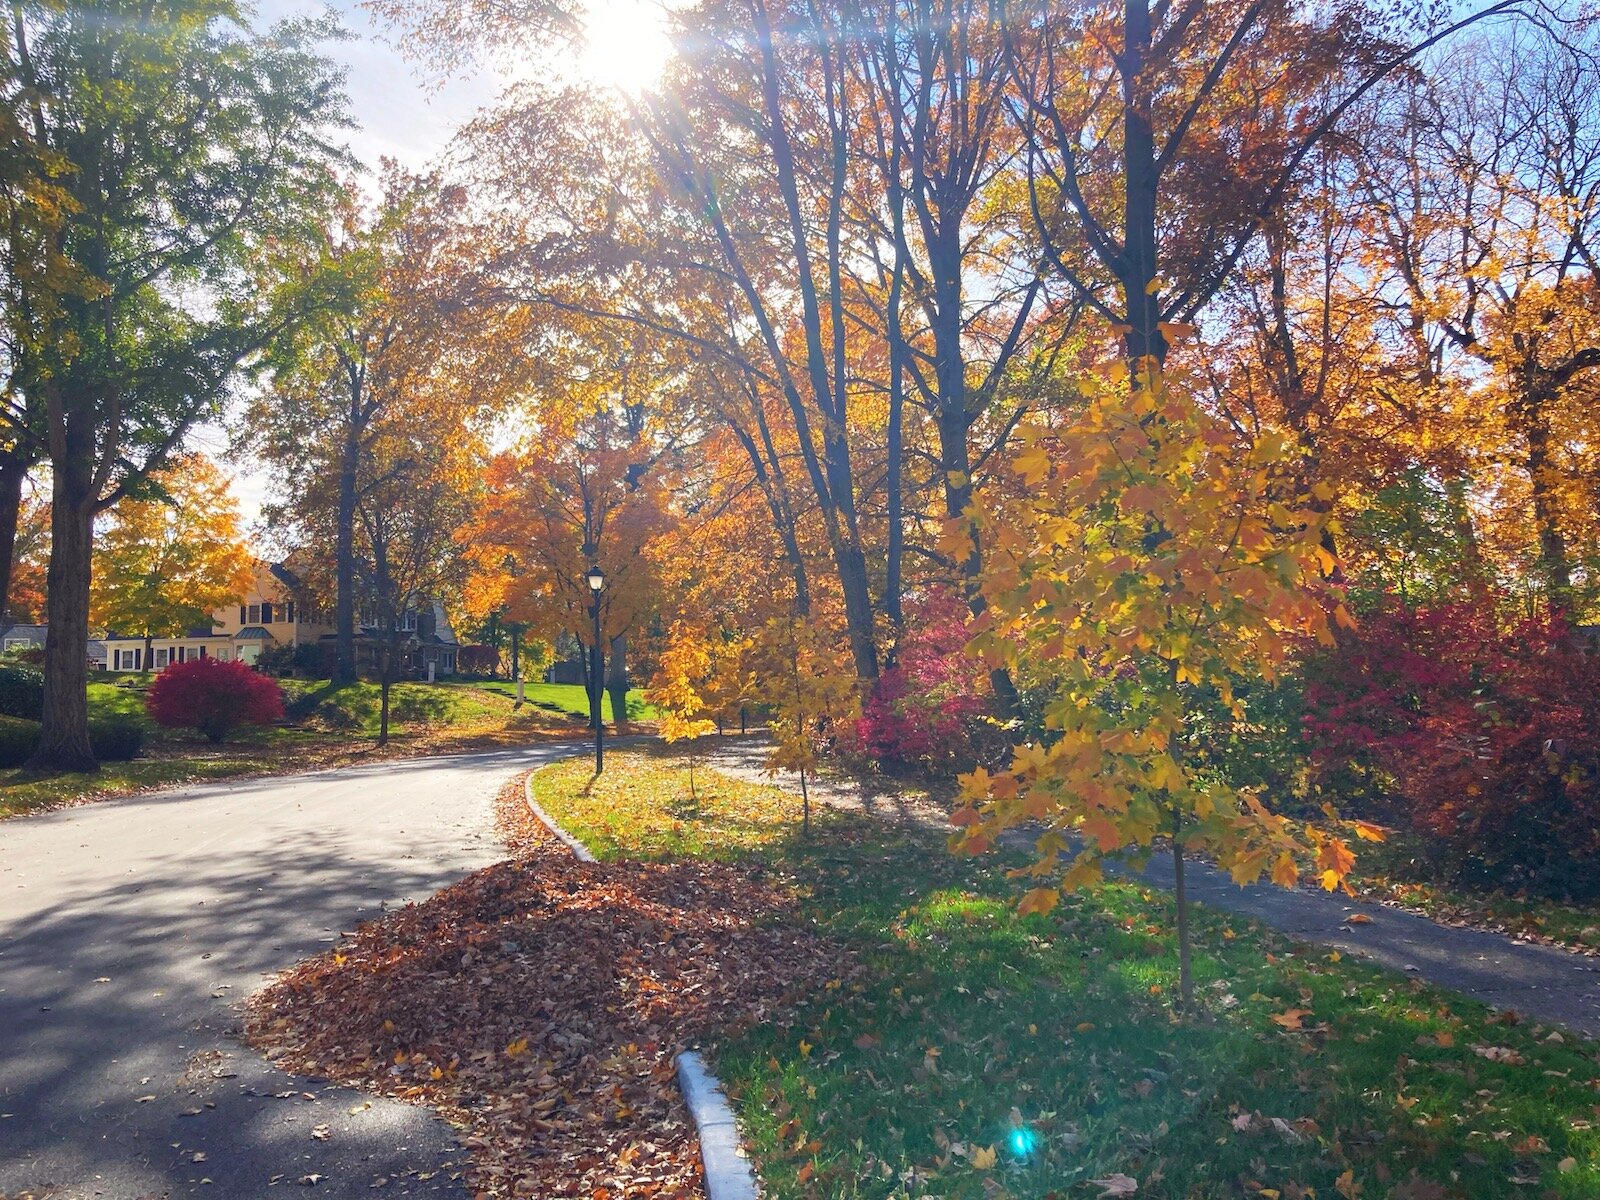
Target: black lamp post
597	583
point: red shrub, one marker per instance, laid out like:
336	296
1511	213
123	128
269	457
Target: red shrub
213	697
927	710
1490	734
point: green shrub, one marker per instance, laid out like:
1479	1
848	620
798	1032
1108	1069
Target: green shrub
17	739
21	692
116	739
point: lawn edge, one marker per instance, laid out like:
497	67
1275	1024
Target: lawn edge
728	1174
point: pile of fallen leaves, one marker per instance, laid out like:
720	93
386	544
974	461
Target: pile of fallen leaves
539	1003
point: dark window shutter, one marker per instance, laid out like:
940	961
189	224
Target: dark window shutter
243	614
266	613
288	612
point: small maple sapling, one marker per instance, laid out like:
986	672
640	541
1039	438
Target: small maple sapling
813	692
678	691
213	697
1150	562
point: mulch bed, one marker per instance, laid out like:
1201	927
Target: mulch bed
538	1004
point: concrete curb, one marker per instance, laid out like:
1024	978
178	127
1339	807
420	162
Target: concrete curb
579	850
728	1174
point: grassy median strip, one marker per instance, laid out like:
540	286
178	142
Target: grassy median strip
981	1054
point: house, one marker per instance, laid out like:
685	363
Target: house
22	637
19	638
426	641
279	612
272	613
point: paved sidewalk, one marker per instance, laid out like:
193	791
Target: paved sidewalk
1543	982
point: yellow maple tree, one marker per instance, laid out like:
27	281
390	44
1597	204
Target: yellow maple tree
171	555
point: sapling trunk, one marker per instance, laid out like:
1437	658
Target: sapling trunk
1181	895
805	805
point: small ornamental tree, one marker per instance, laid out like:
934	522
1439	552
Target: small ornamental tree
810	686
679	691
213	697
929	710
1149	561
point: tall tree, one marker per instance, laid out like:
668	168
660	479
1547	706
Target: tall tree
1161	137
1482	206
418	498
408	329
189	145
34	277
170	555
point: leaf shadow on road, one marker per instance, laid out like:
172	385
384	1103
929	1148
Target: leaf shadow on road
119	1009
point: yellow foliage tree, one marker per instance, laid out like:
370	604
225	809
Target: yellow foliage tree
1149	565
679	688
813	690
171	555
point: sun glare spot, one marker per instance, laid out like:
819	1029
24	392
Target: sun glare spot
625	44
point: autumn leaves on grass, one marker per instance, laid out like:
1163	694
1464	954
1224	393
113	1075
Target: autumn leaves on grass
538	1004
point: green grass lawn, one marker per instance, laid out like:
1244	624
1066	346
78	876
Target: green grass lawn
570	698
980	1054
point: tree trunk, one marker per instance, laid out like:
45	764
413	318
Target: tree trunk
391	649
345	563
64	734
617	680
1137	266
848	556
1554	564
516	654
1181	896
13	474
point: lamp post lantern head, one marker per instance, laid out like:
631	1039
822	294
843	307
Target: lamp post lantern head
596	578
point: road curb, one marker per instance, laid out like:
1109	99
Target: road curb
728	1174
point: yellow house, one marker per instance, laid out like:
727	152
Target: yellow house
271	614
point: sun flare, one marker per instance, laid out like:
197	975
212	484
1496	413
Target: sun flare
625	44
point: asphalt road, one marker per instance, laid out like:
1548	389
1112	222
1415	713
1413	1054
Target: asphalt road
131	930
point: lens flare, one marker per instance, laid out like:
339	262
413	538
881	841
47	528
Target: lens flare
1022	1142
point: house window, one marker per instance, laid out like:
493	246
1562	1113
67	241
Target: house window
255	615
409	621
128	660
160	657
17	643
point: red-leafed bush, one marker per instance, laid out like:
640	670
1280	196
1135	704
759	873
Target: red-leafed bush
1487	732
929	710
213	697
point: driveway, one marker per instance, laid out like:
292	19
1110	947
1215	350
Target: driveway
131	930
